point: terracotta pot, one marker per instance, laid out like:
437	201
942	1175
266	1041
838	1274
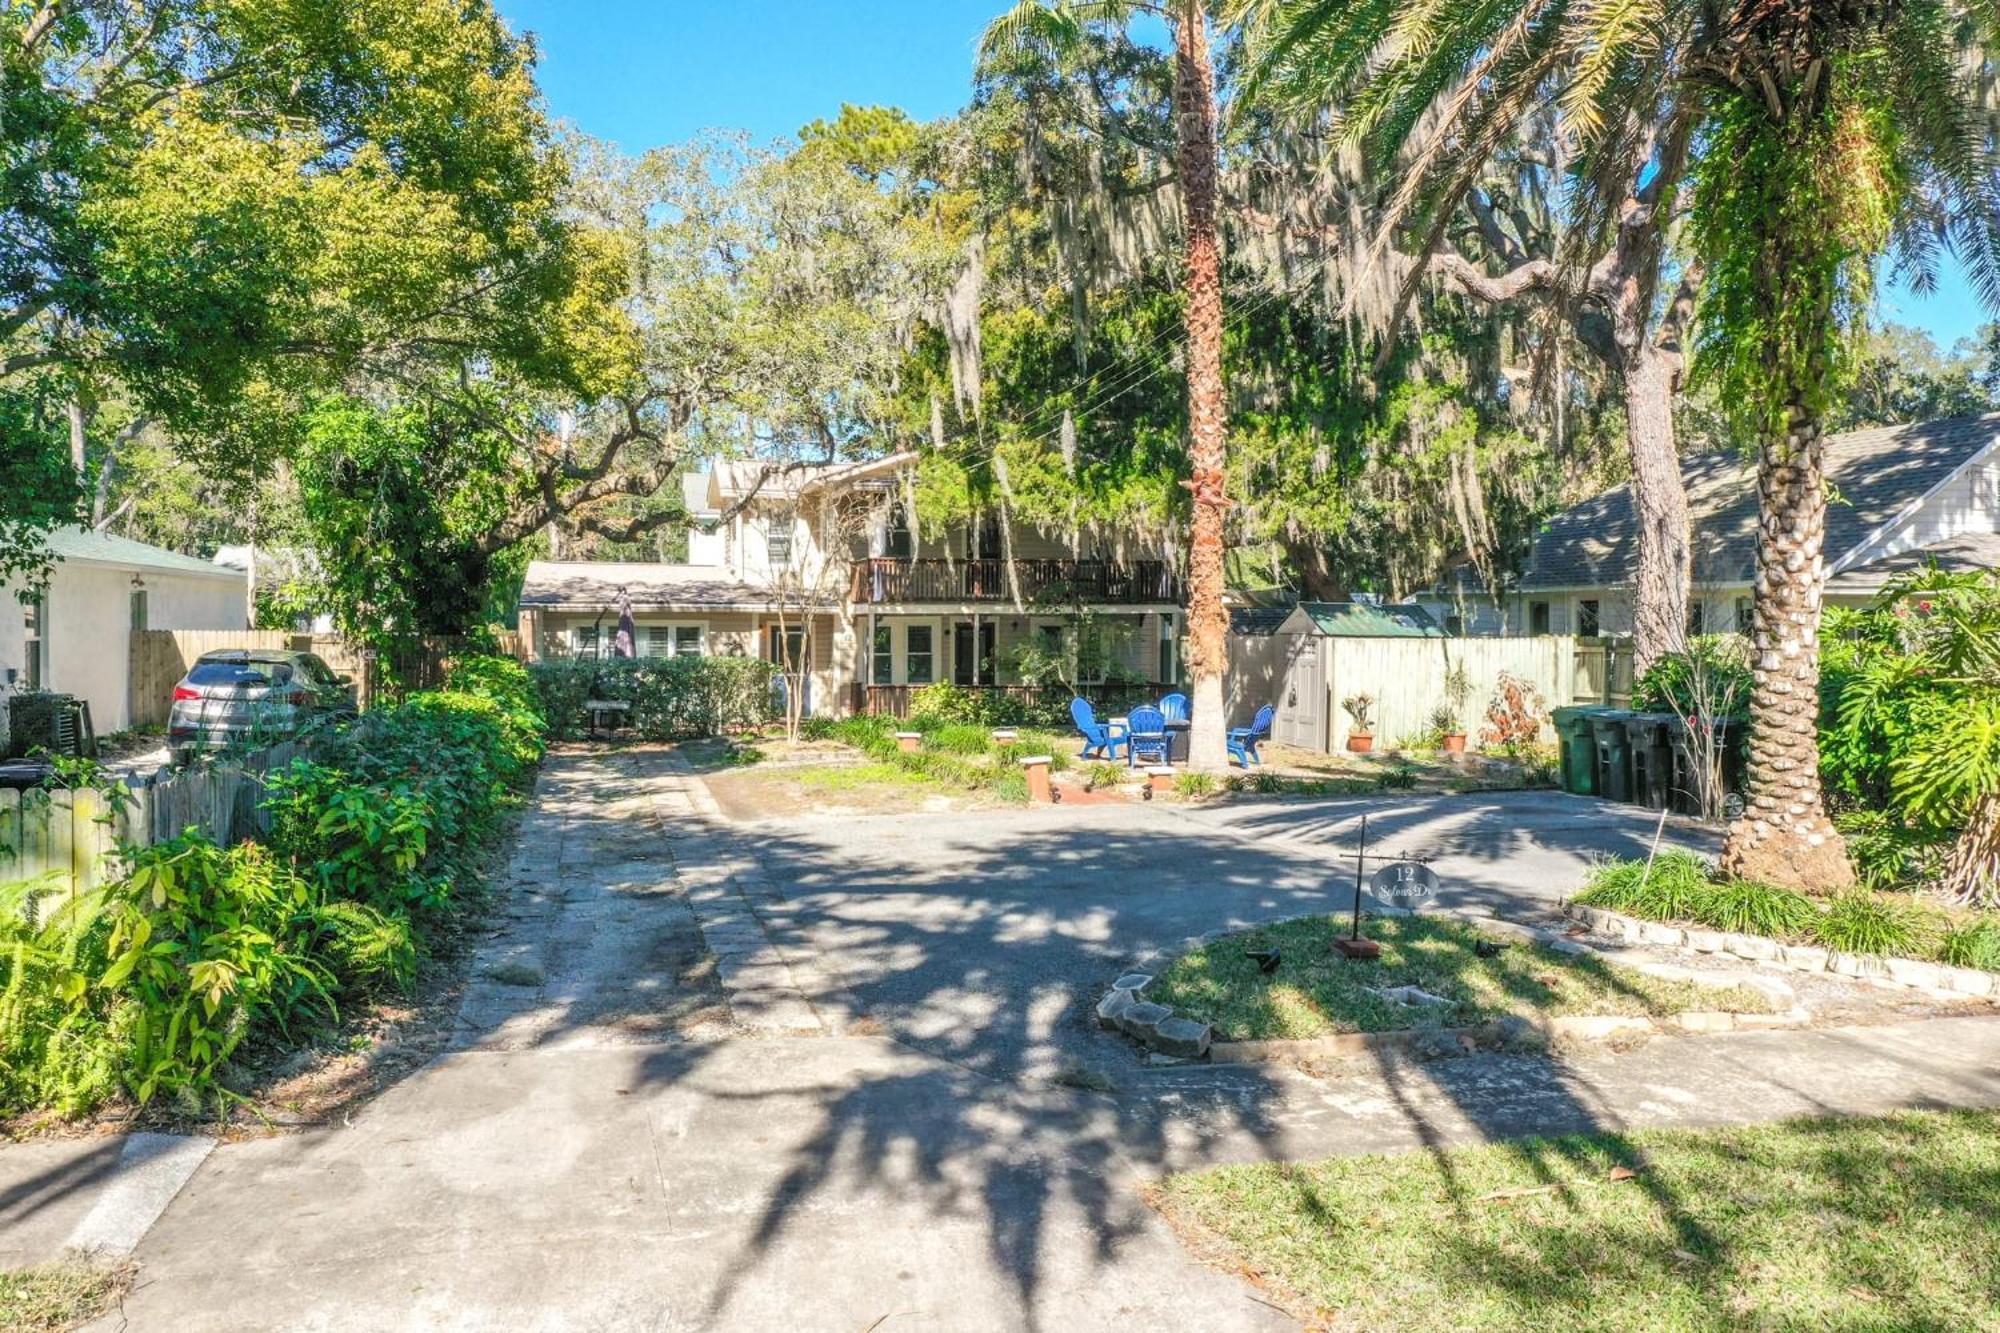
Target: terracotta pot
1360	742
1454	743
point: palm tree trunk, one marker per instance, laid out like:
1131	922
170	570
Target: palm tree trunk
1972	873
1784	836
1208	621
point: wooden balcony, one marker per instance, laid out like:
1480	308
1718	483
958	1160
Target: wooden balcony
884	581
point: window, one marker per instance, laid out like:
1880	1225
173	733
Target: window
37	620
1090	655
1538	617
1746	615
1697	619
917	655
778	543
1454	624
138	608
982	539
674	641
1586	618
896	541
882	656
583	640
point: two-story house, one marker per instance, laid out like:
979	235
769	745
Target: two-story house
823	564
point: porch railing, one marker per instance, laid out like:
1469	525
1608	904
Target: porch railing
1050	702
885	580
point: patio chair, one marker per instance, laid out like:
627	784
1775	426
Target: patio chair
1242	741
1175	706
1146	733
1103	740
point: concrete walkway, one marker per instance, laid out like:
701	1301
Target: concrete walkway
623	1144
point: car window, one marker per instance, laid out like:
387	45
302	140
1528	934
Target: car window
318	669
239	673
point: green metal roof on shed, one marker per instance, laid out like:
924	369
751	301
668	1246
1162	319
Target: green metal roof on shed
1362	620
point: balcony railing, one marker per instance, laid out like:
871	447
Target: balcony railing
885	580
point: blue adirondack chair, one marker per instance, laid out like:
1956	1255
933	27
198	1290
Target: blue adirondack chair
1175	706
1147	734
1103	740
1242	741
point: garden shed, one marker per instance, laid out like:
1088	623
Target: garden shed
1323	652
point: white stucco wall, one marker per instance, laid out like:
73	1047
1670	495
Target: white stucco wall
88	650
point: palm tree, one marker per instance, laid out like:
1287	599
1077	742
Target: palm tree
1820	133
1057	27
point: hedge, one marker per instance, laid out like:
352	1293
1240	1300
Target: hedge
672	698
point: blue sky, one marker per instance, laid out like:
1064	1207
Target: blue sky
647	72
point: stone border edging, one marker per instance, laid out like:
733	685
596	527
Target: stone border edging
1151	1025
1912	972
1517	1031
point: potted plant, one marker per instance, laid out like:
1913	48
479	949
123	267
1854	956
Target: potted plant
1444	726
1360	735
1450	718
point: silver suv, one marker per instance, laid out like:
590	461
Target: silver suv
249	696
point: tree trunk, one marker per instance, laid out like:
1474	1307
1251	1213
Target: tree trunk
1972	873
1317	580
1784	836
1659	501
1208	621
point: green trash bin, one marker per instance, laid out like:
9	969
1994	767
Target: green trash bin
1614	753
1576	750
1652	741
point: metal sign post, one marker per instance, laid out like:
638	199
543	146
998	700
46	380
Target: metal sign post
1354	946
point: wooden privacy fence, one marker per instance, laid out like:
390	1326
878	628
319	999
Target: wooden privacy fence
160	657
1406	676
70	834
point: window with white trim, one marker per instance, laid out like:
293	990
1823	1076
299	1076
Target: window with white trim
917	655
676	641
882	656
583	640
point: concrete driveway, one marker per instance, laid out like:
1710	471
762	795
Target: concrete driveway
946	1143
984	937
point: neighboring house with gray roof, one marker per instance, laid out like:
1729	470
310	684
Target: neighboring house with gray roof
76	638
1899	497
898	607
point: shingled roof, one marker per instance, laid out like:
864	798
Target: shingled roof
591	585
1875	474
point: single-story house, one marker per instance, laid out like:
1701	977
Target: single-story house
1899	497
76	638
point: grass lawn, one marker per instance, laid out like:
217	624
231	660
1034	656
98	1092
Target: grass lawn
1315	991
1810	1224
58	1296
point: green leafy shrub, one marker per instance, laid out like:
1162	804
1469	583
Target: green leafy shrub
1193	783
1103	773
55	1051
1889	853
1871	923
1676	889
672	698
206	945
1751	908
959	738
1974	943
1711	678
1012	785
369	952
